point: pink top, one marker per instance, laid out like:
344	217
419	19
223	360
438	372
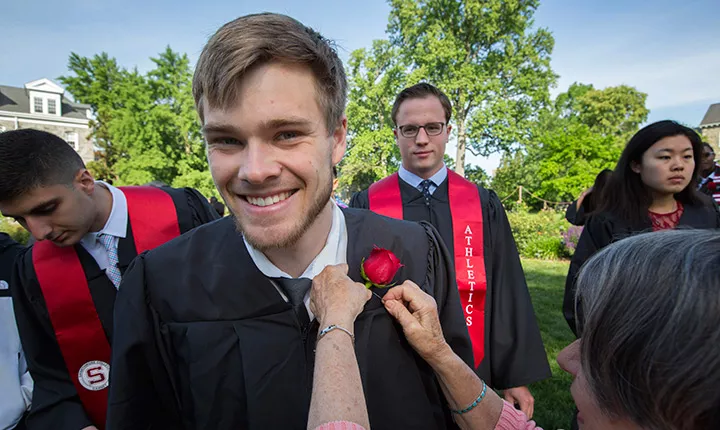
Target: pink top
510	419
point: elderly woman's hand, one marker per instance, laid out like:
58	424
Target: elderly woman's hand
335	298
417	313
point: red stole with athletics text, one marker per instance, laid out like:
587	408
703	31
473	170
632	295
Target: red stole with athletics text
467	226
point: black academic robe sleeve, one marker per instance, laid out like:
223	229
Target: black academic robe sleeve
599	231
9	250
139	379
196	204
55	402
575	215
514	351
360	200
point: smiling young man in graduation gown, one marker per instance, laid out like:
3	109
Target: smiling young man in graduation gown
507	346
64	286
217	332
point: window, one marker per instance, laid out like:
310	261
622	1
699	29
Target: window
38	104
51	107
72	139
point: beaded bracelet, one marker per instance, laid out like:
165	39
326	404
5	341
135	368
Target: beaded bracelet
475	403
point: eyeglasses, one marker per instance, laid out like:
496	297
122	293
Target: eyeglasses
705	154
412	130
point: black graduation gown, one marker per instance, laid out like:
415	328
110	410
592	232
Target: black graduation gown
207	342
56	404
514	351
603	228
575	215
9	250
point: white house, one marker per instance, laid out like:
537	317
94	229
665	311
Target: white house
42	105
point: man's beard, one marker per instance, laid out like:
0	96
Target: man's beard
317	206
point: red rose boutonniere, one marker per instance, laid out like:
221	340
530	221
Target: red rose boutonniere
379	269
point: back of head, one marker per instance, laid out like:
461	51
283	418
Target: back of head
629	198
254	40
651	344
32	158
420	91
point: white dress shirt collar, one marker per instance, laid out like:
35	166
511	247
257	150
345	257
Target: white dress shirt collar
116	224
415	180
334	252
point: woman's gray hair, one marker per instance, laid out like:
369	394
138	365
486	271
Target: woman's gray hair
651	339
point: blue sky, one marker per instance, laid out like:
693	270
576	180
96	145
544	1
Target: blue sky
668	49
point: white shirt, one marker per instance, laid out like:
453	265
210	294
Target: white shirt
415	180
116	226
334	252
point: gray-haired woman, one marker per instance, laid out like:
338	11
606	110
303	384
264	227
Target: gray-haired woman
648	358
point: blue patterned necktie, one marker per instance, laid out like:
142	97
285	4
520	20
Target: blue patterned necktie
425	188
112	271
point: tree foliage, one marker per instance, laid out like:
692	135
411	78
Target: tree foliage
376	75
485	55
145	125
582	133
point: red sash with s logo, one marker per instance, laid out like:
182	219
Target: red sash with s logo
467	225
78	330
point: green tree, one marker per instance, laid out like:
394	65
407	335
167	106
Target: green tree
516	169
376	76
484	55
147	128
582	133
477	175
612	111
95	81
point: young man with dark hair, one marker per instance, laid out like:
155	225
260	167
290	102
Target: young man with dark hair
64	286
217	330
507	346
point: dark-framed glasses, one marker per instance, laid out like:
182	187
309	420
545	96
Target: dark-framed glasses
705	154
412	130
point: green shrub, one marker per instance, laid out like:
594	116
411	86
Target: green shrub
538	235
15	230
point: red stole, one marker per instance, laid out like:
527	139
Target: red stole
78	330
467	225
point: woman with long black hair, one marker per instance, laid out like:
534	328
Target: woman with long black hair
653	187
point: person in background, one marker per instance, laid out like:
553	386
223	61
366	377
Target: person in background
507	346
15	381
653	187
64	286
588	201
649	356
219	207
709	179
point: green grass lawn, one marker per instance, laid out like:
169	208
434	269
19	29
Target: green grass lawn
546	281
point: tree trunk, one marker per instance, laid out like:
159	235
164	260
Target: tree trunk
460	157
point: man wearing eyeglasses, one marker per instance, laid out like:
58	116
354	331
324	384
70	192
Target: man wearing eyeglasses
709	181
507	346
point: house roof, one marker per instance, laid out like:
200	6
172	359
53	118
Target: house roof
14	99
712	116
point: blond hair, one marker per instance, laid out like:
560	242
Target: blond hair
253	40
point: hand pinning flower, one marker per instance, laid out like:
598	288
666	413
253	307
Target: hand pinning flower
379	269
